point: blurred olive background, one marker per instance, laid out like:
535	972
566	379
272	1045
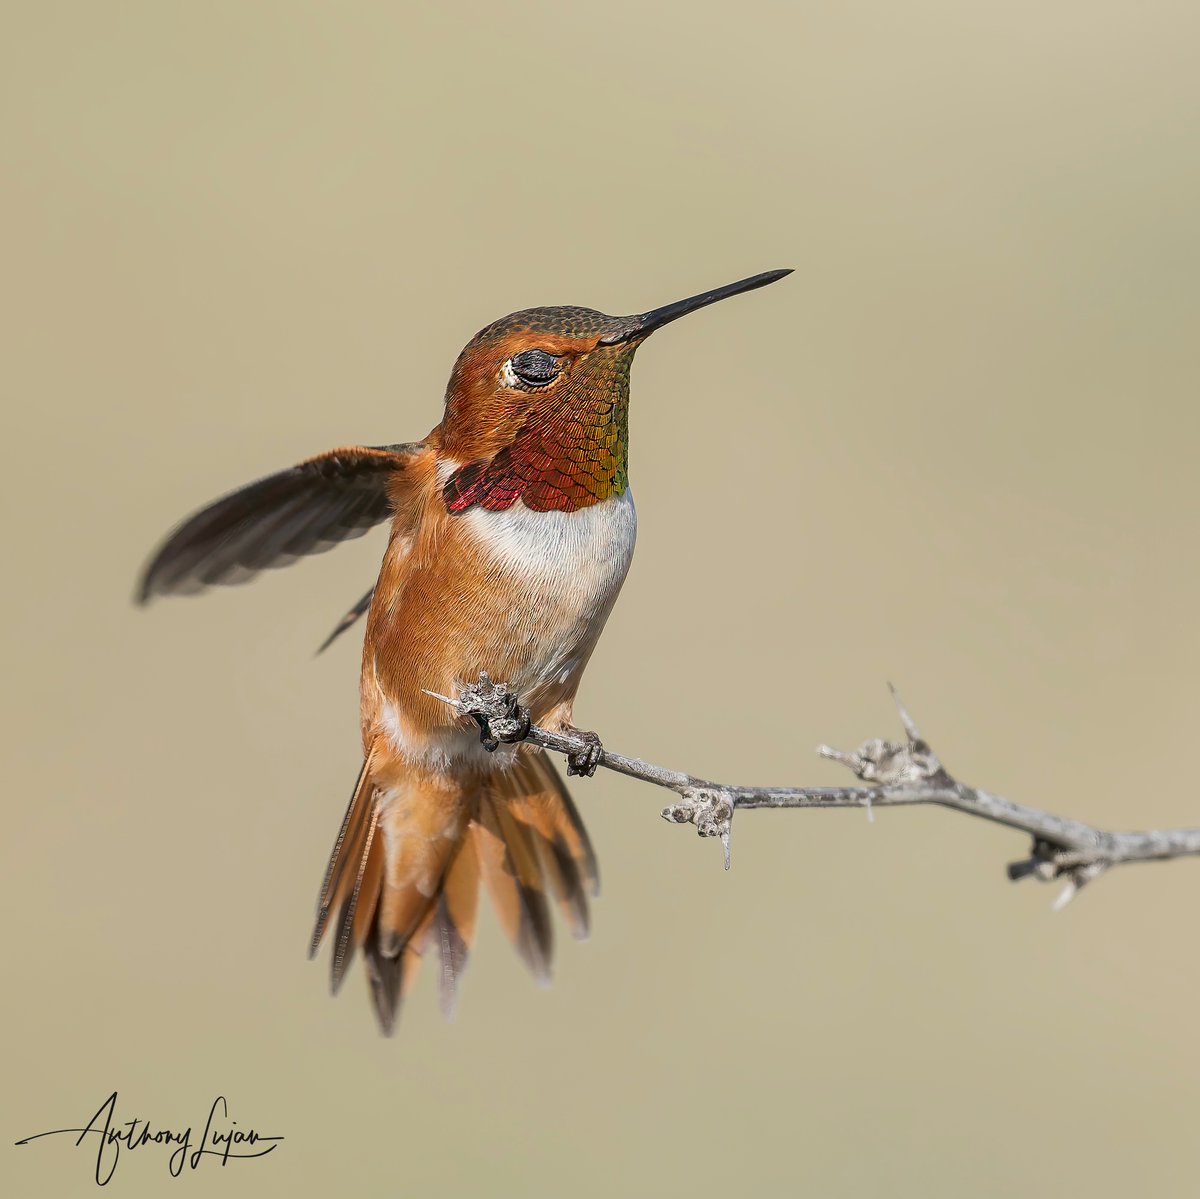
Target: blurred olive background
956	450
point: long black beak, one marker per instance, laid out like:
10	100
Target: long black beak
645	324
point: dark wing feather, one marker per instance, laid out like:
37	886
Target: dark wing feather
305	510
348	620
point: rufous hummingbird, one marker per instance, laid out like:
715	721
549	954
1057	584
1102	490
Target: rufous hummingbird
512	530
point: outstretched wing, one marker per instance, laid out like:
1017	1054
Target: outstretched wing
304	510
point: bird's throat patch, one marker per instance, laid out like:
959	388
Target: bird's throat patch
551	466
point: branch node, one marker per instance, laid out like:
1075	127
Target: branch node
494	708
1049	861
891	763
711	811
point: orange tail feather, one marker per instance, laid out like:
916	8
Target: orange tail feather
405	871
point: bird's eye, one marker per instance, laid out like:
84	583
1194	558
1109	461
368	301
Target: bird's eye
532	368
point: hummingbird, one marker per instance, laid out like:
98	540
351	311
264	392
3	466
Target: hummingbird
512	530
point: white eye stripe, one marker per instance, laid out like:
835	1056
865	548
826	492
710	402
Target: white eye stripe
508	377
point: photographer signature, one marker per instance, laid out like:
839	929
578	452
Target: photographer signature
226	1142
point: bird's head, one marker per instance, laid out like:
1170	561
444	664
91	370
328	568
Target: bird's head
537	405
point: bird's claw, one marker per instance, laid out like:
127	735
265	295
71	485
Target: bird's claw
584	761
513	724
485	732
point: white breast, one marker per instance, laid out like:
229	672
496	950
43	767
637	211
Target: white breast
589	549
573	563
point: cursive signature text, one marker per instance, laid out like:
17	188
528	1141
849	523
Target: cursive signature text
221	1138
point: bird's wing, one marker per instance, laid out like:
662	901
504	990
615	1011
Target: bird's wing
304	510
359	609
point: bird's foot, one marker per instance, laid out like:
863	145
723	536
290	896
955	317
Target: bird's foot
513	726
584	761
496	711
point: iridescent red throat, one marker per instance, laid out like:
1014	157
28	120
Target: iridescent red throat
570	457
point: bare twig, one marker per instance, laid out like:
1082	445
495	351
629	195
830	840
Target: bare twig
899	774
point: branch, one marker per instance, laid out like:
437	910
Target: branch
899	774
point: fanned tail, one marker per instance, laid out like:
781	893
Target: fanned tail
405	870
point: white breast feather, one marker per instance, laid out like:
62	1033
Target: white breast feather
588	549
573	563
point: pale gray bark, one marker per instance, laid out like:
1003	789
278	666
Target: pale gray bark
899	774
